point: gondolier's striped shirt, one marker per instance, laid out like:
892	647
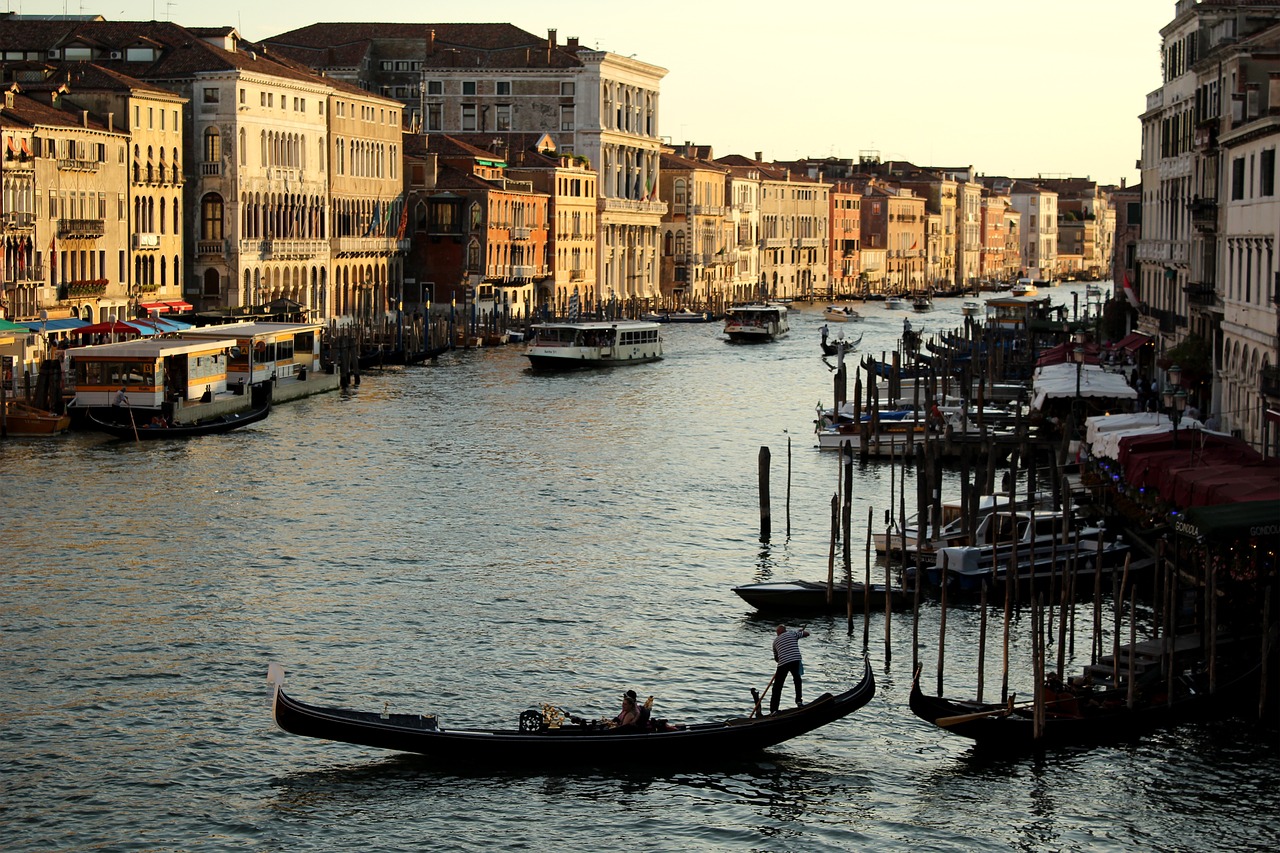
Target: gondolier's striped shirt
786	647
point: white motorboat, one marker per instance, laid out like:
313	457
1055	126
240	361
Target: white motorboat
840	314
971	308
1025	287
564	346
896	303
756	322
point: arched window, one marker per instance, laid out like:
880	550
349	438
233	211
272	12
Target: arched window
211	217
212	146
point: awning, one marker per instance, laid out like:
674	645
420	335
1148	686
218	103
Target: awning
62	325
1231	521
159	325
116	328
1132	341
1069	380
168	307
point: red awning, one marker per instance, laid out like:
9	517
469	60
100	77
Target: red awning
179	305
116	328
1132	341
158	307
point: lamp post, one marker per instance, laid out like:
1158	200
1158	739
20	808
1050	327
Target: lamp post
1175	398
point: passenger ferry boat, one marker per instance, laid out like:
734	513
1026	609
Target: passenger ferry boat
756	322
564	346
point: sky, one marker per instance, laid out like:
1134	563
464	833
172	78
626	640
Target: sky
1022	88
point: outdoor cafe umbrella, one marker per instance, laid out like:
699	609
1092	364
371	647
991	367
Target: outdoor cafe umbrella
108	328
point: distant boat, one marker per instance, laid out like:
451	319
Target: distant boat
971	308
840	345
895	303
922	302
756	322
683	315
1025	287
840	314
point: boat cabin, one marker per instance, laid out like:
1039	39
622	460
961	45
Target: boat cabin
265	351
152	371
1014	313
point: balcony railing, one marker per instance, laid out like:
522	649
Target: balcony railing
369	245
71	164
577	275
146	241
211	169
284	250
211	247
521	233
19	273
91	228
16	220
1201	293
522	271
1204	212
85	289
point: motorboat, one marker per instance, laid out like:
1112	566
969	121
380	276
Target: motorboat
922	302
23	419
840	314
971	308
566	346
1025	287
896	303
756	322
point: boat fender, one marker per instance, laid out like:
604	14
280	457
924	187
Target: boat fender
531	721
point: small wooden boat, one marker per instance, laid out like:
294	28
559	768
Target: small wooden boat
1085	714
568	346
757	322
840	314
811	596
547	740
22	419
127	429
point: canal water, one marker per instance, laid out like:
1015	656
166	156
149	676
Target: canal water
470	539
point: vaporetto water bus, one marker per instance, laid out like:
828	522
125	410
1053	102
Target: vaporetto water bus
564	346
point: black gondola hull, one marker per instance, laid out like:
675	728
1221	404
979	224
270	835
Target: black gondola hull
718	741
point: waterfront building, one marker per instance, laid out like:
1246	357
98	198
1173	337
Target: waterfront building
1126	207
1086	227
699	246
743	191
496	78
847	278
998	226
893	220
486	241
1039	234
259	164
66	214
152	116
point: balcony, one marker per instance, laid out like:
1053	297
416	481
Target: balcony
22	274
146	241
1204	213
85	289
522	271
521	233
211	247
577	275
284	250
379	246
15	221
631	205
71	164
81	228
1201	293
1269	382
210	170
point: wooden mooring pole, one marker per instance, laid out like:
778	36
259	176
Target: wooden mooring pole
766	522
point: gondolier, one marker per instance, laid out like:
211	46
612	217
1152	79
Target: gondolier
786	651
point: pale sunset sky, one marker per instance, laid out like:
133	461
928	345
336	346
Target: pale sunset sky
1011	87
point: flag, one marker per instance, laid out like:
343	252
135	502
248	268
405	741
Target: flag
404	219
53	257
1129	292
373	221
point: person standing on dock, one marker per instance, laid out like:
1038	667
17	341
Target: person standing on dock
786	651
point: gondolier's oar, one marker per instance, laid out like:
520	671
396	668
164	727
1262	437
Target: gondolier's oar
759	695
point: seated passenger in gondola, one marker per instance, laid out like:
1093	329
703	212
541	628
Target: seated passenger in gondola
629	719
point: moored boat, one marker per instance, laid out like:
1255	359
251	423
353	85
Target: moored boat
756	322
565	346
550	739
811	596
23	419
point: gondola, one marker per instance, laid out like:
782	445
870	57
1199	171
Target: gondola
834	347
208	426
544	740
1083	716
811	596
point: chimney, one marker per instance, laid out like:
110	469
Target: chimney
431	43
84	117
572	43
1122	183
551	39
111	122
759	156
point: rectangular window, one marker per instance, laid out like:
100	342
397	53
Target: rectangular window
566	89
242	96
1267	172
435	87
151	117
502	87
468	87
262	99
502	117
1237	179
566	118
211	96
402	65
434	121
386	65
468	117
